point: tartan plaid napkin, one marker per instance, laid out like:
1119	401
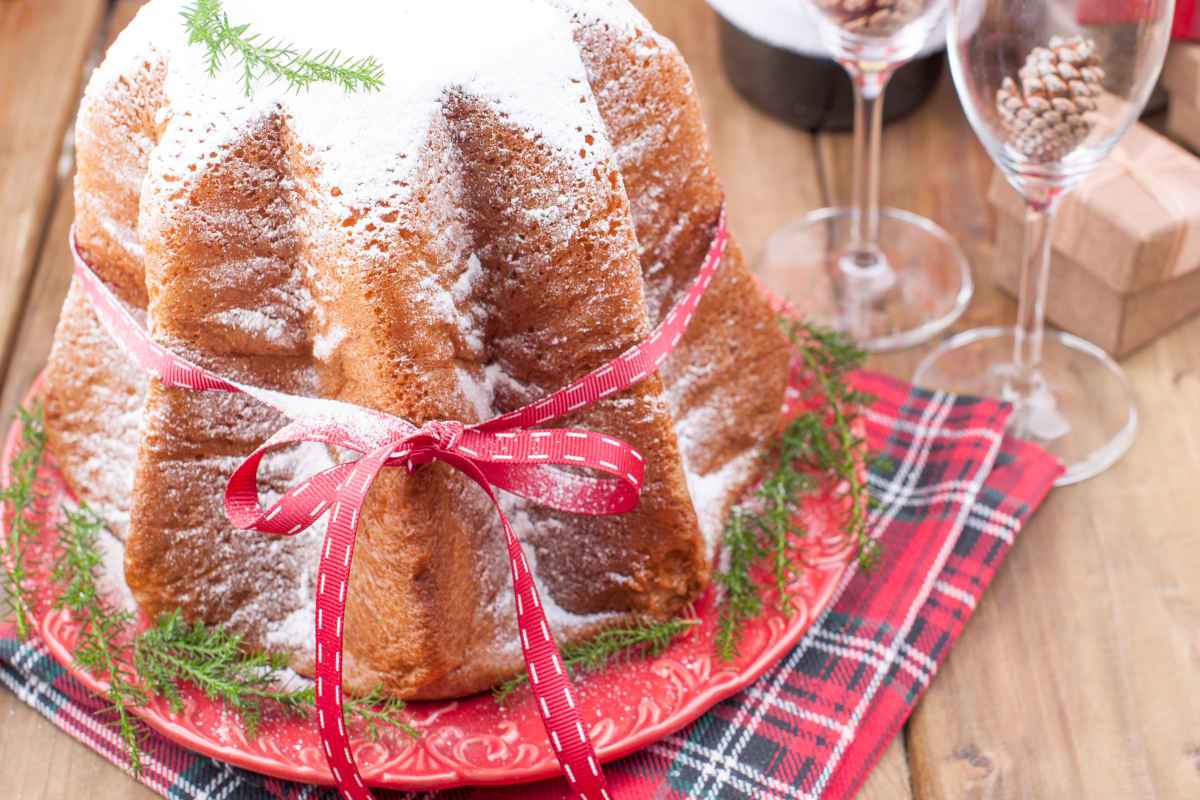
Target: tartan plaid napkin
953	492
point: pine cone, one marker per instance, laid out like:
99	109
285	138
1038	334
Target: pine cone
871	16
1051	113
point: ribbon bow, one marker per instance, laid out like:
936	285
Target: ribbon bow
507	453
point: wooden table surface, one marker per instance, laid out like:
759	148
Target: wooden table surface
1079	675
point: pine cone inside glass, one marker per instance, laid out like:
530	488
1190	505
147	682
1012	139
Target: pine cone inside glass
1052	110
871	16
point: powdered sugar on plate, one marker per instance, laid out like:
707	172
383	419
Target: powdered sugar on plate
712	494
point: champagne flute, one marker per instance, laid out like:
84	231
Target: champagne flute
1049	97
889	278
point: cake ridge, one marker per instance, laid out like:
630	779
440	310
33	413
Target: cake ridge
465	240
516	55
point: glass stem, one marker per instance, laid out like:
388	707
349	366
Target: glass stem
1031	309
866	275
869	85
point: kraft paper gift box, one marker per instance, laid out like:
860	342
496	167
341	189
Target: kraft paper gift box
1126	244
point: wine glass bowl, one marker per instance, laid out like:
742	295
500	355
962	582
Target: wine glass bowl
1034	56
1049	97
882	31
890	279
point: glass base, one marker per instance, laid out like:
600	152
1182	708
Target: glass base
1081	407
918	287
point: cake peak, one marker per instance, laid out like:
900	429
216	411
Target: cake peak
517	57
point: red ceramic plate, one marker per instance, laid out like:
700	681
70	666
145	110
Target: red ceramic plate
474	740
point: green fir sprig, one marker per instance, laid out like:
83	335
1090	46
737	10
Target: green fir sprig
642	639
262	57
157	662
175	652
104	635
831	357
21	495
817	446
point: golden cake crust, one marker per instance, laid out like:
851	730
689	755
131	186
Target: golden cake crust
500	271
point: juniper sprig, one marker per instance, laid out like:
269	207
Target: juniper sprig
643	639
104	632
831	357
175	652
270	58
819	442
171	653
21	495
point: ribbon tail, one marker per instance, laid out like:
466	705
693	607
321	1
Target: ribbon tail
333	578
501	453
548	679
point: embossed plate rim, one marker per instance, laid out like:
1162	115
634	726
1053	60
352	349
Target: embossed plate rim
717	686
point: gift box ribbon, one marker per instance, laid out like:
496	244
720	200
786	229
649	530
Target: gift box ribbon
506	453
1165	174
1144	194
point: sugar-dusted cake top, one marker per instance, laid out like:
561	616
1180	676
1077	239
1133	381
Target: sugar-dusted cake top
526	195
518	56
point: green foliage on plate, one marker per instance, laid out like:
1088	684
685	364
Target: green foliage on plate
22	530
817	447
641	639
170	654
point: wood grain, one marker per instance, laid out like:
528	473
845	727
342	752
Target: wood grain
1079	675
36	330
42	763
779	180
43	45
52	274
39	761
890	780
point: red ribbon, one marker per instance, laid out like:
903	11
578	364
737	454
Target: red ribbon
504	453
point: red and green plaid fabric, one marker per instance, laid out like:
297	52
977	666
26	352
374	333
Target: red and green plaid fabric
952	491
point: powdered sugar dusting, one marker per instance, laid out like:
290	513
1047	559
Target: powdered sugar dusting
467	282
712	491
262	322
337	165
108	474
452	305
98	432
371	428
296	631
289	610
518	56
712	495
325	344
124	236
561	621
